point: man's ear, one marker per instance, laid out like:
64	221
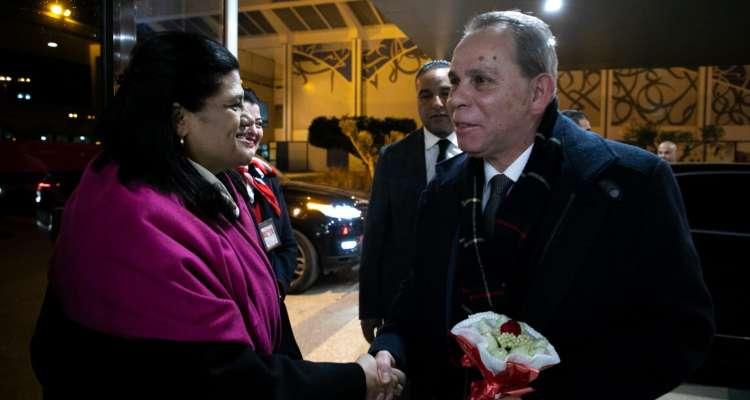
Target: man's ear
542	92
180	120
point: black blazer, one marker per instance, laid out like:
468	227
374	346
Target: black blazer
388	240
284	257
616	286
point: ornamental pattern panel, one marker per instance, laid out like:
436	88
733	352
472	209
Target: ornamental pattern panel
403	56
581	90
316	59
659	96
730	102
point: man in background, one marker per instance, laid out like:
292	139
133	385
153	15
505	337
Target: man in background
402	172
667	151
578	117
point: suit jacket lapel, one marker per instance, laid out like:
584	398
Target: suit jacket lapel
576	213
417	159
558	258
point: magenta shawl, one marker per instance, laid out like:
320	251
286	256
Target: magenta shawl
133	262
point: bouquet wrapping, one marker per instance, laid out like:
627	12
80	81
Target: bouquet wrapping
508	353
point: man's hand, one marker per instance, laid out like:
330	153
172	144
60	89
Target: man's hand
369	328
388	374
381	385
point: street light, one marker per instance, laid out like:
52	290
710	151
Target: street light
58	11
552	6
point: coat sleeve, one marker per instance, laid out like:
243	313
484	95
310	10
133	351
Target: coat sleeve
398	328
73	361
376	227
284	258
664	333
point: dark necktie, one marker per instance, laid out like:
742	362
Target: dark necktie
499	185
443	145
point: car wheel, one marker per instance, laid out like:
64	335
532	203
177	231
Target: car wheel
308	269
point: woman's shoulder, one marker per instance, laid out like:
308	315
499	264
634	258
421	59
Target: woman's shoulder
102	194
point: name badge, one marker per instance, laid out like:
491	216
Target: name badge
268	233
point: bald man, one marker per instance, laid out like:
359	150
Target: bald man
667	151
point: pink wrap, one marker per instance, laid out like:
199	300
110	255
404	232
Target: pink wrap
133	262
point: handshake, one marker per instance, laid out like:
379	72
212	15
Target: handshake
383	381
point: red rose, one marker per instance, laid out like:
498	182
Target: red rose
511	327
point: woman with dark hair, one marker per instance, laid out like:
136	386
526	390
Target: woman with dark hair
159	282
268	208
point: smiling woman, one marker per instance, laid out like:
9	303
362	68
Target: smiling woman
159	279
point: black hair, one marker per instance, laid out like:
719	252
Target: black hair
575	115
138	127
430	65
250	96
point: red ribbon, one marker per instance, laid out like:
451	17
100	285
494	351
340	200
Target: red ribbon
513	382
260	186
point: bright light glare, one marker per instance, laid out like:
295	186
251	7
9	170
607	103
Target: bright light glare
552	5
335	211
67	13
56	9
348	244
44	138
52	44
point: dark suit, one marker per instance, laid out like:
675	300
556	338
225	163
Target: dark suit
400	177
283	258
614	282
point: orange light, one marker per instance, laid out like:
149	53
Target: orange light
56	9
66	13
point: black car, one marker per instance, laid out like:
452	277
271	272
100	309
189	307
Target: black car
327	222
720	225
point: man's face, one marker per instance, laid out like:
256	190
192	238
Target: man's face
666	152
584	123
433	88
490	100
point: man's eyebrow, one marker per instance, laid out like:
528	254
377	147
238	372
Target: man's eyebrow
482	71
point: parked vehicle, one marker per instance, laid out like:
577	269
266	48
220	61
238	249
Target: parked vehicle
327	222
720	224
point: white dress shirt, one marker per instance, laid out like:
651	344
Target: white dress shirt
432	151
513	172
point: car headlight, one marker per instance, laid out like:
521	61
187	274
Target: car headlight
335	211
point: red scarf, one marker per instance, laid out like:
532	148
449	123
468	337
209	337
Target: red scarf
259	186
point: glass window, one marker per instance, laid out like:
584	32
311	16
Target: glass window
51	90
137	19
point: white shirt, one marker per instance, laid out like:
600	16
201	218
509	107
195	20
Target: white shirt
513	172
432	151
212	179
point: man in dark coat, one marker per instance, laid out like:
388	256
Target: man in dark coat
403	170
584	239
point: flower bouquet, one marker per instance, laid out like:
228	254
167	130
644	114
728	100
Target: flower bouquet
508	353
